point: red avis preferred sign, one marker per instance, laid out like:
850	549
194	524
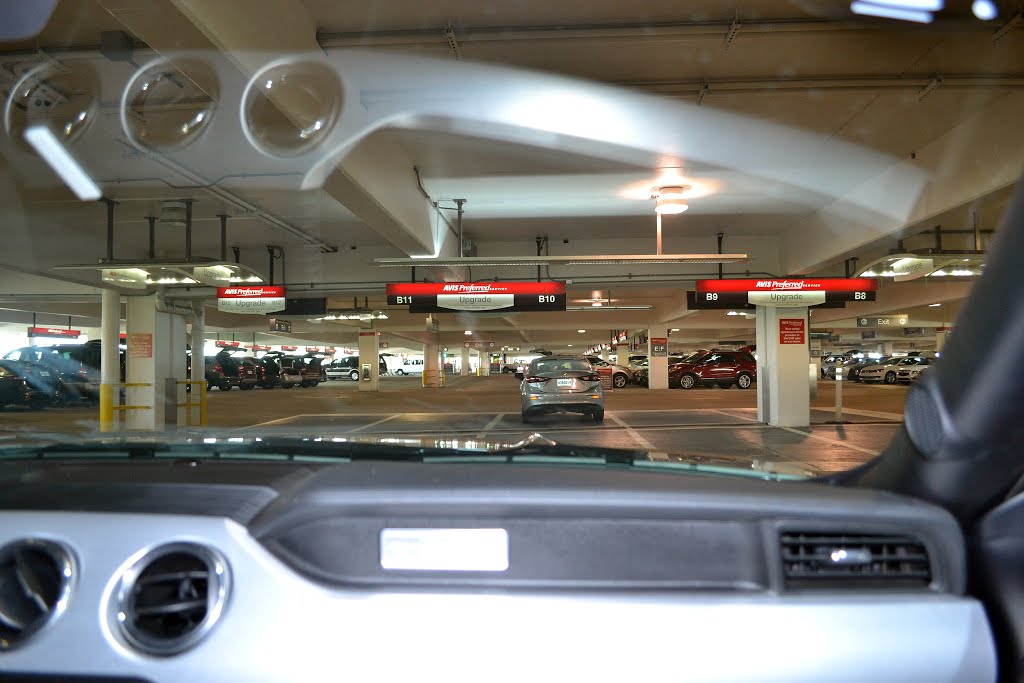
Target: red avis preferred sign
255	300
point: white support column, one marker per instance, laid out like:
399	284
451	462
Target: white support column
173	364
622	354
940	339
369	355
152	342
657	366
783	361
485	363
110	363
887	347
604	354
464	366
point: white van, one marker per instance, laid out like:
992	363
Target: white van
409	366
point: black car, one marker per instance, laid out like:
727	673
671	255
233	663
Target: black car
60	377
19	387
268	372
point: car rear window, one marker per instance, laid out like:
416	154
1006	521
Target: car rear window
564	365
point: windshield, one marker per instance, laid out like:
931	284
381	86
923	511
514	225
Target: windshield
380	223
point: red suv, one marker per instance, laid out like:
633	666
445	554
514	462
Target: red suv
723	368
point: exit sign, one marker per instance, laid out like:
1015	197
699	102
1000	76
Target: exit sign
897	320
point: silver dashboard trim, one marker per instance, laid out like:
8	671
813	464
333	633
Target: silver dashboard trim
283	627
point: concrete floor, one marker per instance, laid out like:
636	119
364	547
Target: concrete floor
706	422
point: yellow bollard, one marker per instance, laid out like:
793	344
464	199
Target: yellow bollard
107	407
202	404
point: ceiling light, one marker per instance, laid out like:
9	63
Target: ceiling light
670	206
589	260
570	344
732	313
962	272
133	278
468	332
675	329
873	10
984	9
933	305
197	271
596	304
581	331
46	145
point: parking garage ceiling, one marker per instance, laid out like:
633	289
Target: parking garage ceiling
915	93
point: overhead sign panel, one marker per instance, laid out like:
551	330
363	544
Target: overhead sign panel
255	300
431	297
795	298
909	268
280	325
794	284
698	301
897	320
61	332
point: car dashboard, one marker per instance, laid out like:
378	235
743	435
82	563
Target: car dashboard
205	570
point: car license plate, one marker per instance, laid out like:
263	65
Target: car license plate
564	383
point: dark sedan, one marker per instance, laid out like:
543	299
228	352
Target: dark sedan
16	389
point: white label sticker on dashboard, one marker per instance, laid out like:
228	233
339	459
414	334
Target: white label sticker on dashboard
469	550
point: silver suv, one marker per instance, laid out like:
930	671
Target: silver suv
889	372
562	384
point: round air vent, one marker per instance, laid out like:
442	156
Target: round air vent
35	582
170	599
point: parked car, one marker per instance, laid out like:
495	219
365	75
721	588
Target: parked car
889	372
721	368
409	366
853	370
561	384
344	367
225	371
53	370
642	371
267	371
15	388
909	373
620	374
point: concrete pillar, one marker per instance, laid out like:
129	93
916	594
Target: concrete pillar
940	339
887	347
197	372
657	365
176	367
464	365
604	354
622	353
783	361
154	339
369	355
110	362
485	363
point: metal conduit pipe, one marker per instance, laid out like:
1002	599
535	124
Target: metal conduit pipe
197	371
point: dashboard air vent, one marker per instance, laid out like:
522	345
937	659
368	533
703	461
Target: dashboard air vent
834	560
170	599
35	582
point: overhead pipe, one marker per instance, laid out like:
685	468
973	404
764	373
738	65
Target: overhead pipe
426	195
152	237
223	236
275	252
721	238
459	203
188	229
110	227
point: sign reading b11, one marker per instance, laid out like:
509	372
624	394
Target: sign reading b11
255	300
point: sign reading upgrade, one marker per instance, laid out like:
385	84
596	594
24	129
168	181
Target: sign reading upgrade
781	292
258	299
438	297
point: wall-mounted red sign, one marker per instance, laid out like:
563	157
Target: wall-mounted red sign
289	348
792	331
61	332
312	349
790	284
258	347
435	297
227	344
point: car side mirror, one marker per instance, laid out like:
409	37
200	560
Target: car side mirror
519	375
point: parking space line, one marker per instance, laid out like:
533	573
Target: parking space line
633	434
738	417
280	420
490	425
372	424
895	417
836	442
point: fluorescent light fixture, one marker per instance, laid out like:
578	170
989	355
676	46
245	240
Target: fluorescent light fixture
873	10
582	331
596	306
920	5
468	332
46	145
594	260
984	9
869	273
670	206
962	272
933	305
169	273
132	278
733	313
570	345
674	329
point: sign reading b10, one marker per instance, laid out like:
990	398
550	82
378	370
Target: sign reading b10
255	300
430	297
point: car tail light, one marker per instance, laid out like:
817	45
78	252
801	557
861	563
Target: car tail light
217	368
590	378
537	380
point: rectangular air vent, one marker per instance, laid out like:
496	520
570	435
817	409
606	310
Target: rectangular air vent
834	560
